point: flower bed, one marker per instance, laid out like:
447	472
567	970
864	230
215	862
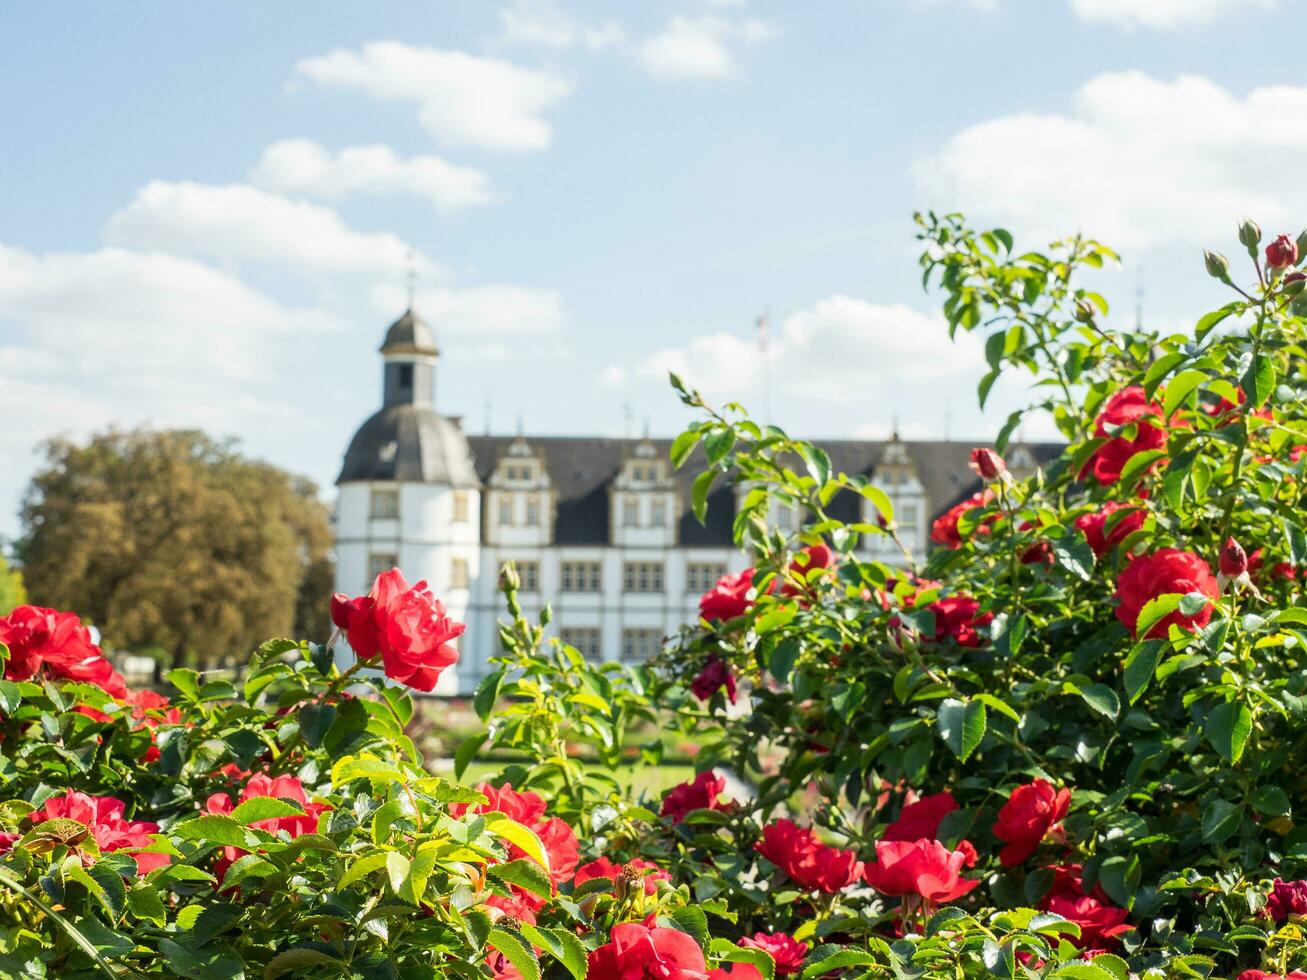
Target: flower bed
1066	743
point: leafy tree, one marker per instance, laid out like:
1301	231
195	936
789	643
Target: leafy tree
12	592
174	541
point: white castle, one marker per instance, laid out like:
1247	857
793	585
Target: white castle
601	528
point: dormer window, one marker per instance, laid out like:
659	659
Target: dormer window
630	512
385	503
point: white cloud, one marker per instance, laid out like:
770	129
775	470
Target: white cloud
476	311
544	23
242	224
463	99
1137	162
1163	14
696	48
613	377
125	337
301	166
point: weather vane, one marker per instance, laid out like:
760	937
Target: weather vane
411	276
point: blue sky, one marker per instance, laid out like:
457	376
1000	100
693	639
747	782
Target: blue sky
207	219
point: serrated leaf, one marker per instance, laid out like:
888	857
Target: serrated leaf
294	959
1140	666
1220	820
1179	388
265	808
961	726
517	951
1102	699
1228	726
524	874
523	837
1155	610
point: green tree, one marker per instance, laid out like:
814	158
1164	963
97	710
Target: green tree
12	592
170	540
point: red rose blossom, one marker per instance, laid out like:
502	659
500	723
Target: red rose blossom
924	868
1164	572
1099	921
959	617
1233	559
729	598
805	567
1262	975
987	464
528	808
944	529
716	674
103	818
1094	525
735	971
1287	898
700	794
1282	253
1032	812
38	638
805	859
279	788
1128	407
636	869
638	952
786	952
405	624
921	818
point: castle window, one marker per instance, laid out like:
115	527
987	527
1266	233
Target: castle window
658	515
702	576
458	578
639	645
532	512
630	512
642	576
905	515
581	576
505	511
584	638
378	562
528	573
460	507
385	503
406	376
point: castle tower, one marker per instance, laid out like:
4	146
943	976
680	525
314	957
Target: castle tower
409	496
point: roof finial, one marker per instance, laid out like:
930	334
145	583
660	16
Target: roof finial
894	428
521	427
646	428
411	276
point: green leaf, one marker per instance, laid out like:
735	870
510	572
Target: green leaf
816	461
1102	699
265	808
699	493
524	874
293	959
1259	380
1220	820
1140	666
1179	388
1228	726
315	720
1156	610
466	752
1073	553
397	868
201	964
962	726
1002	707
143	902
1138	465
573	954
524	837
214	828
1270	801
361	868
683	445
487	693
517	951
718	445
838	960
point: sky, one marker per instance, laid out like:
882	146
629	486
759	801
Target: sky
208	218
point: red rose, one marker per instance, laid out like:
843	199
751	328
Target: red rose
39	637
1282	253
634	869
700	794
280	788
1260	975
528	809
786	952
921	818
1032	812
1233	559
1287	898
1128	407
638	952
103	818
925	868
735	971
1094	526
987	464
806	860
1100	922
729	598
959	617
944	530
805	568
1164	572
405	624
716	674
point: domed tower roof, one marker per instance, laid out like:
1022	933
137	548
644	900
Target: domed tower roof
408	440
410	443
410	334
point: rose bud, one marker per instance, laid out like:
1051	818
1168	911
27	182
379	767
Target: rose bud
987	464
1232	565
1250	236
1282	253
1084	311
1218	266
1294	283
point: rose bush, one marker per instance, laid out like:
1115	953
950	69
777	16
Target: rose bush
1065	743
